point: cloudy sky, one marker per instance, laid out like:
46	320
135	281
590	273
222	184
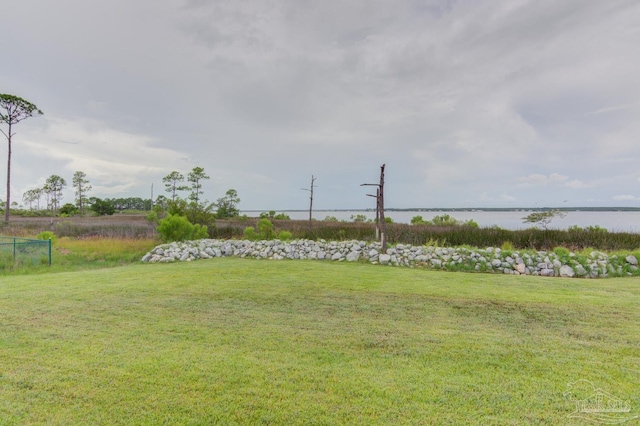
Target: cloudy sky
470	103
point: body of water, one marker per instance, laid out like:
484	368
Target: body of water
615	221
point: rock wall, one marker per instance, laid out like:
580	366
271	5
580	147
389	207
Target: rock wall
595	265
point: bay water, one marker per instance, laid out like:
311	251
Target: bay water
614	221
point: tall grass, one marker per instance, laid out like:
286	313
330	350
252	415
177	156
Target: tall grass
532	238
118	226
135	226
71	254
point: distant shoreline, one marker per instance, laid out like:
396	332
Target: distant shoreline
467	209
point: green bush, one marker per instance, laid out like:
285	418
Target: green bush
284	235
507	246
417	220
250	233
103	207
68	209
360	218
265	229
47	235
152	216
178	228
445	220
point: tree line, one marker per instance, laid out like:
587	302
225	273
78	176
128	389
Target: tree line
185	196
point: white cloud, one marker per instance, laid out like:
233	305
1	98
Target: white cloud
115	161
552	179
626	197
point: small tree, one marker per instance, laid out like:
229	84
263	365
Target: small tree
195	177
81	186
228	205
161	203
173	182
31	196
53	187
15	110
543	218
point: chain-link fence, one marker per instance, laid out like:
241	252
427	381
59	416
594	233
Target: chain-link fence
22	251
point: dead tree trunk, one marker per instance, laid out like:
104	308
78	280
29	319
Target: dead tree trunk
381	226
313	179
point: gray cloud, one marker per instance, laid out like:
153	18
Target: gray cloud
470	103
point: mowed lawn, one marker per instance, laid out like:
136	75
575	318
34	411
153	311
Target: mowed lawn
238	341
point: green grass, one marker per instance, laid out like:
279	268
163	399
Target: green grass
237	341
79	254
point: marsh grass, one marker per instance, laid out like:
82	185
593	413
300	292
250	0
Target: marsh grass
450	236
238	341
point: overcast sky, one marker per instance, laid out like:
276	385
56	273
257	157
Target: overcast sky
470	103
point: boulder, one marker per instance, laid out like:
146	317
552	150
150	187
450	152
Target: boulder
567	271
353	256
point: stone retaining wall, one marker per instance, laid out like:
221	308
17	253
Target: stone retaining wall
595	265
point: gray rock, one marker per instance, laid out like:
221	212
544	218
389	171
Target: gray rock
546	272
384	259
353	256
567	271
632	260
580	271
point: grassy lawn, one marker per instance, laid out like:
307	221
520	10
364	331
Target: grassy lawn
237	341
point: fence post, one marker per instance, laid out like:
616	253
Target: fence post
49	251
14	251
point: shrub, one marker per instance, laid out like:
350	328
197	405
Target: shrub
331	219
282	216
178	228
507	245
445	220
68	209
152	216
265	229
103	207
47	235
250	233
284	235
471	223
417	220
359	218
